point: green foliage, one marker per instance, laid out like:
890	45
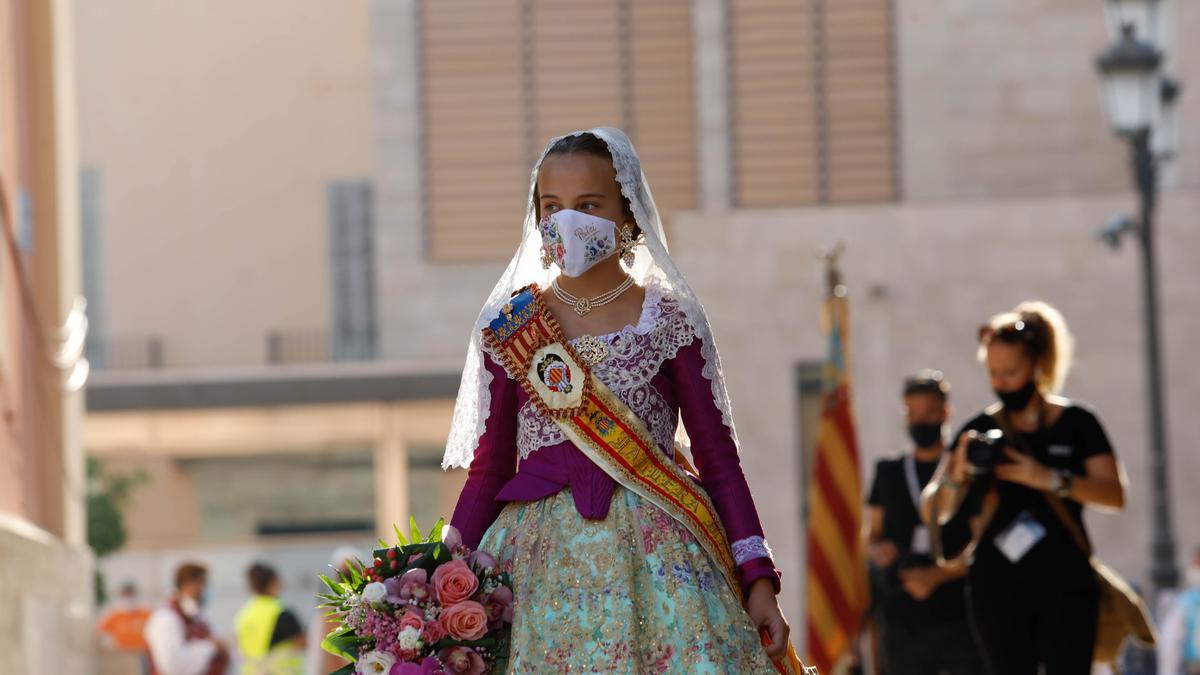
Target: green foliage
106	494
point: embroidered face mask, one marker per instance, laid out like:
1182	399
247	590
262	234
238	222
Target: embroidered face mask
577	241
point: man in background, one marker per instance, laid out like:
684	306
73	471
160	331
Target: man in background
921	610
178	636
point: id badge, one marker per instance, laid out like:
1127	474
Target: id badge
921	543
1018	538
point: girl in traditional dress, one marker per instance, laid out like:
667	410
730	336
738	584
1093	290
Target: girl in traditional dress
588	353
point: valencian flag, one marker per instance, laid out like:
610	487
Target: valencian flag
836	592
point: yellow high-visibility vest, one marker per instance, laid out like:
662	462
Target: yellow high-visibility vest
255	624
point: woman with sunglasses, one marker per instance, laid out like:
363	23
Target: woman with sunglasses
1033	594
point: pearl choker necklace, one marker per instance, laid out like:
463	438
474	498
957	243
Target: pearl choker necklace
582	305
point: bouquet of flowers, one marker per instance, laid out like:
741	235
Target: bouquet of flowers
424	606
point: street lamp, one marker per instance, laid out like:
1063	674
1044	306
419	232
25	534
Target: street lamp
1146	17
1140	104
1164	133
1130	70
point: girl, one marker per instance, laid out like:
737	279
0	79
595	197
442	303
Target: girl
623	557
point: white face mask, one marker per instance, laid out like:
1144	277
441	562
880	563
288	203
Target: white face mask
577	241
188	605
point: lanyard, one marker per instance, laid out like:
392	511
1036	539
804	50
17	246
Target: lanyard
914	485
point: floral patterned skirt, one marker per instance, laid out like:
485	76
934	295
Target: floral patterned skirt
633	593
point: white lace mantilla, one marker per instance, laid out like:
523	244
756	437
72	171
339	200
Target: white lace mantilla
652	265
636	354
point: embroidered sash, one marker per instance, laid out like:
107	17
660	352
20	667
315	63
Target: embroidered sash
535	353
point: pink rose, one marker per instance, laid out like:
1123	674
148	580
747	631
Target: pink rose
454	582
412	620
434	631
462	661
465	621
500	607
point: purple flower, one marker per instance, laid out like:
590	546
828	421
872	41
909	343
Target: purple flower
412	586
431	666
482	560
451	537
406	668
462	661
499	607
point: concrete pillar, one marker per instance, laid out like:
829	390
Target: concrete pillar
391	475
54	192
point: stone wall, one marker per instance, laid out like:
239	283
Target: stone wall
46	593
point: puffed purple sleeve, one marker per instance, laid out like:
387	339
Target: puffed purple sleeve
720	469
494	463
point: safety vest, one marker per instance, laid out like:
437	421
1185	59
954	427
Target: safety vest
255	624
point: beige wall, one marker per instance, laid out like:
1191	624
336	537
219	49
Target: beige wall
216	126
1003	99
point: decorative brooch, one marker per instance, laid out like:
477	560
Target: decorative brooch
591	350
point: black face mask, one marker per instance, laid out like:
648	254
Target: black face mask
1015	401
925	435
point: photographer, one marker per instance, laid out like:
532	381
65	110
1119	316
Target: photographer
1023	471
922	612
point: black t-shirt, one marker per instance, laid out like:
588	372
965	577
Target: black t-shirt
287	627
1056	560
891	491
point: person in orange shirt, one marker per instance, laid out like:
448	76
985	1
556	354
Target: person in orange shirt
122	625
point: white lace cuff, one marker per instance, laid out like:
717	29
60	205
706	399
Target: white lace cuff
750	548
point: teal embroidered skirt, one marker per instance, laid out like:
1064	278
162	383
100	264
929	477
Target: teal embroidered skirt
633	593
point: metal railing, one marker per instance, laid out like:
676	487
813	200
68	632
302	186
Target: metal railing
126	352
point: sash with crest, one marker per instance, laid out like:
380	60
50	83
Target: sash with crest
535	353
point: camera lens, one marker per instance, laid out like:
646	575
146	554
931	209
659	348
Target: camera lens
983	452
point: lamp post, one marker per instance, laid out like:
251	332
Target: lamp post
1140	103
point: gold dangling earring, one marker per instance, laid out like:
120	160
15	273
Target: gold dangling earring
547	259
628	244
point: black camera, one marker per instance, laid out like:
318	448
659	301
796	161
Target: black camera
984	451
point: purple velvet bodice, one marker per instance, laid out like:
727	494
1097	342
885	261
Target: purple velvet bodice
657	369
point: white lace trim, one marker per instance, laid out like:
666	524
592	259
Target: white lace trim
750	548
636	355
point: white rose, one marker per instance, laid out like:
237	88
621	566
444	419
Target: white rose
375	663
374	593
409	638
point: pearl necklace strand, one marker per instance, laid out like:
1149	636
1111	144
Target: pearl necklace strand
583	306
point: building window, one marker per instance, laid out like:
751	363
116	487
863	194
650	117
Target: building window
352	270
93	264
501	77
812	102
